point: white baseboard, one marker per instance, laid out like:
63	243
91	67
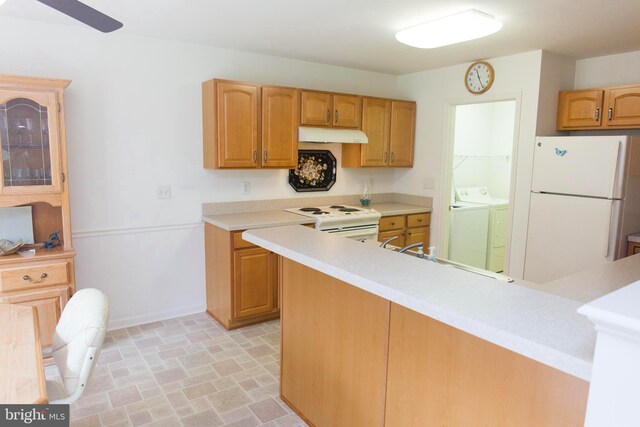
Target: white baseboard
154	317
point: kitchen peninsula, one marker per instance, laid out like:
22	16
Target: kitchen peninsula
490	350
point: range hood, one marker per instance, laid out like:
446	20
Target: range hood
325	135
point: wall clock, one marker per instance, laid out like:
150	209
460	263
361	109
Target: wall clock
479	77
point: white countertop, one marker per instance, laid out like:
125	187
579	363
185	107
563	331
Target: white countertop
536	324
263	219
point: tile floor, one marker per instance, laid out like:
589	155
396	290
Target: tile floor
186	372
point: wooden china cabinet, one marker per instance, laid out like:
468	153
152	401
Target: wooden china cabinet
33	173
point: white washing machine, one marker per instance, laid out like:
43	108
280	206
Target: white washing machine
497	223
468	231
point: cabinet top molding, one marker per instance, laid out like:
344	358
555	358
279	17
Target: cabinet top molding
22	82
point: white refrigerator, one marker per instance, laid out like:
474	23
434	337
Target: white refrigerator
585	201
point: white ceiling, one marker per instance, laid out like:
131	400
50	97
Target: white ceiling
360	33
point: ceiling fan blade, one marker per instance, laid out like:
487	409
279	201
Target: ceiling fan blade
85	14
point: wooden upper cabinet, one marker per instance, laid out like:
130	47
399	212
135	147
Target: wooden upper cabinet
230	124
402	135
347	111
623	107
615	107
316	108
580	109
376	124
31	143
280	122
327	109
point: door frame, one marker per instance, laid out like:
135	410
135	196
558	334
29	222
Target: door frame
444	190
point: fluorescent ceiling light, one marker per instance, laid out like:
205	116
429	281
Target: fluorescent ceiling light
452	29
1	2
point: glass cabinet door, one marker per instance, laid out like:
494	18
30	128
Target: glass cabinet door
29	140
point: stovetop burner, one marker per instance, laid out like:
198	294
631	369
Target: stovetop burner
343	209
336	207
310	210
319	212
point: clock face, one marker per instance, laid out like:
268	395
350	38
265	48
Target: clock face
479	77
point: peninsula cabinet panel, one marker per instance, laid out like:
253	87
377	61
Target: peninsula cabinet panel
334	349
580	109
402	135
280	122
316	108
441	376
623	107
230	124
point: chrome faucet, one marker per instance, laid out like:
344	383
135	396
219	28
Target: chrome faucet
384	244
418	245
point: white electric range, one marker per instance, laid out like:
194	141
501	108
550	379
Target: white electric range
348	221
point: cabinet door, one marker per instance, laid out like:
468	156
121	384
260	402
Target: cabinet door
418	235
49	304
30	141
256	278
633	248
237	125
280	121
316	108
580	109
376	123
623	107
403	124
347	111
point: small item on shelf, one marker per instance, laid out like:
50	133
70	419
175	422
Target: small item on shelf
53	241
7	247
365	197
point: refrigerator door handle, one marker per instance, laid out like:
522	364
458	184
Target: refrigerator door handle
606	247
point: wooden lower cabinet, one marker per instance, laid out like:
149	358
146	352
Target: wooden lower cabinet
350	358
408	229
633	248
241	279
48	302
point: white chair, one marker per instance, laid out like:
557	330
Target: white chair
77	342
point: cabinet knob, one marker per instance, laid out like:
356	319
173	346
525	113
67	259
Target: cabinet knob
392	156
419	219
610	113
26	278
255	156
265	157
337	116
328	116
597	114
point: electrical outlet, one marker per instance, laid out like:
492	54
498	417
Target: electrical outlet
246	187
164	192
428	183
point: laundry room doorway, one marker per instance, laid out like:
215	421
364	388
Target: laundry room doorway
478	164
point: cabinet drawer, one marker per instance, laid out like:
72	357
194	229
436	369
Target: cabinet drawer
34	276
392	223
418	220
239	243
399	242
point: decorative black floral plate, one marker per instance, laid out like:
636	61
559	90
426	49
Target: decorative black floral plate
316	171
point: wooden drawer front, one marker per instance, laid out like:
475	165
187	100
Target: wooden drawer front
419	220
392	223
238	243
34	276
399	242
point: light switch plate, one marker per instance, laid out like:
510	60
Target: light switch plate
164	191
